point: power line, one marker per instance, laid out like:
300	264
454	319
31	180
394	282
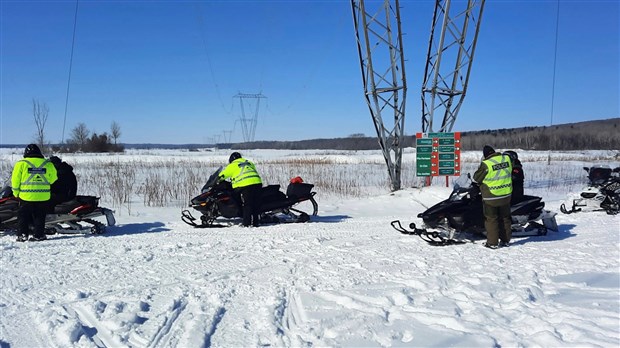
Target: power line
64	122
555	59
201	25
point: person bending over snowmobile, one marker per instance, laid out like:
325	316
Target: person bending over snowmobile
495	178
65	188
30	181
247	185
518	176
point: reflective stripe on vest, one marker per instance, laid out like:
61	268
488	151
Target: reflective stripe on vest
499	176
36	183
33	171
247	175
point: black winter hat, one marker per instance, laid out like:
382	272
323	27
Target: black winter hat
32	150
234	156
487	150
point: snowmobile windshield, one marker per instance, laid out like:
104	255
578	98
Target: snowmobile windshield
6	190
598	174
213	179
462	183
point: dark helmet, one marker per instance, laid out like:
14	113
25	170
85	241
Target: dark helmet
234	156
513	155
55	161
32	150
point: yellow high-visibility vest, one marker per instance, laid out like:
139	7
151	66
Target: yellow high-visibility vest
499	176
32	178
242	173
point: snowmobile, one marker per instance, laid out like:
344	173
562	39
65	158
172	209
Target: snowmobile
461	214
217	200
76	216
601	194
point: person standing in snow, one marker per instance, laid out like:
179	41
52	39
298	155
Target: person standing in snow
495	178
31	183
247	184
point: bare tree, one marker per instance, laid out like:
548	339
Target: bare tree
115	131
40	111
79	135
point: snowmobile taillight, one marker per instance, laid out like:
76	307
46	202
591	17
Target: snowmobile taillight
77	210
2	200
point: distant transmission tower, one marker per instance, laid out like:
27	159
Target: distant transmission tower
227	135
454	33
380	48
248	124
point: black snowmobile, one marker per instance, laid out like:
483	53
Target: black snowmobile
601	194
448	221
76	216
218	200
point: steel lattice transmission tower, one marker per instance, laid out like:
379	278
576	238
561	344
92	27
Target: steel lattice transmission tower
454	33
380	48
248	124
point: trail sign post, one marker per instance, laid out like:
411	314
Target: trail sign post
438	154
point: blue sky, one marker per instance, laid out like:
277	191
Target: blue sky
168	71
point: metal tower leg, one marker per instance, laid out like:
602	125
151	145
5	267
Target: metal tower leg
380	48
454	46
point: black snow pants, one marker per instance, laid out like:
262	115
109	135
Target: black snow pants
250	204
32	214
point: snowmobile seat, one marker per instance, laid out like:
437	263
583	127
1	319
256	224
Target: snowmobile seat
598	175
299	190
68	206
271	194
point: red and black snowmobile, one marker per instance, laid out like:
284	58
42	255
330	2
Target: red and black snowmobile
448	221
218	201
76	216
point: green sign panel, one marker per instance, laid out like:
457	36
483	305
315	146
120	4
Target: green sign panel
446	141
423	165
447	156
424	141
425	149
446	149
423	157
446	171
446	164
441	135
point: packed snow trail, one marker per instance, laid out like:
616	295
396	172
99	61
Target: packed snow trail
346	279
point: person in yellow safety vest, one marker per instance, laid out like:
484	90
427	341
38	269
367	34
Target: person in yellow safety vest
247	184
495	178
31	181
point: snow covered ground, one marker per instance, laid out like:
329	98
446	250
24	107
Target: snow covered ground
344	279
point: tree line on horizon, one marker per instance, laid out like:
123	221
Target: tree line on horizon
588	135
